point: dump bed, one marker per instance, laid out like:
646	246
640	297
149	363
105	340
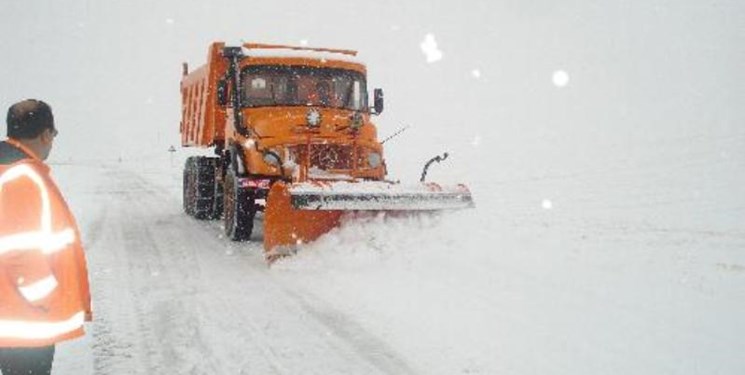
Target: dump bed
203	122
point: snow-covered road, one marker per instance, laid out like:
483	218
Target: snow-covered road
171	296
521	291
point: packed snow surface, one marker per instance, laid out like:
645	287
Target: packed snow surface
594	285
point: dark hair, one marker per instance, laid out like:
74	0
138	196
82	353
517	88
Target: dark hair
27	119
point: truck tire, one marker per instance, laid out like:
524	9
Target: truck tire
199	188
239	208
217	206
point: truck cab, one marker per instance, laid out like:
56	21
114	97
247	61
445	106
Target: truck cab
271	113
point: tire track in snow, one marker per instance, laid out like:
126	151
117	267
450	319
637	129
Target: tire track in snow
172	296
339	333
372	349
112	305
170	330
161	249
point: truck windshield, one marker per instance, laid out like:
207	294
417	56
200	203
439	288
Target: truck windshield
276	85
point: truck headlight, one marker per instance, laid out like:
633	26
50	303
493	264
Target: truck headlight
272	158
373	159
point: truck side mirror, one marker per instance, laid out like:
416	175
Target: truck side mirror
378	101
222	92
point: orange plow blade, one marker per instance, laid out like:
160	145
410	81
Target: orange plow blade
286	227
301	212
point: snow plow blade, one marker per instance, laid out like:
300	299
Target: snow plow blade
378	196
302	212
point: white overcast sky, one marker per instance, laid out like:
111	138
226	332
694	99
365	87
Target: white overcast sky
111	69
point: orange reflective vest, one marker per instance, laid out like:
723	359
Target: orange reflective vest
44	294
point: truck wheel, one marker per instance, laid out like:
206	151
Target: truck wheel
188	191
239	210
199	188
217	207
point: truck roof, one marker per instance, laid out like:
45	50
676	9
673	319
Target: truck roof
284	52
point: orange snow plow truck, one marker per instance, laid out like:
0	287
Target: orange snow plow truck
291	133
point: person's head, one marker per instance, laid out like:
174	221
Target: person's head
323	92
31	122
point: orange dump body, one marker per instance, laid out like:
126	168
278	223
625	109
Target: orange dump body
203	122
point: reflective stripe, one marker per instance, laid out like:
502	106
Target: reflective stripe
44	239
25	329
25	170
39	289
47	242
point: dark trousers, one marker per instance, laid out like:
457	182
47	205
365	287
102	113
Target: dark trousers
26	361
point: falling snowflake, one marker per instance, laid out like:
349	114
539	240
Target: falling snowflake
476	73
170	21
560	78
429	47
546	204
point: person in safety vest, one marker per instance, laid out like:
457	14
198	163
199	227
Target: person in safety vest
44	295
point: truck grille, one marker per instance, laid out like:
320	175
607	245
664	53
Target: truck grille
327	156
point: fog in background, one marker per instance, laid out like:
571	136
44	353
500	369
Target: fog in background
649	81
